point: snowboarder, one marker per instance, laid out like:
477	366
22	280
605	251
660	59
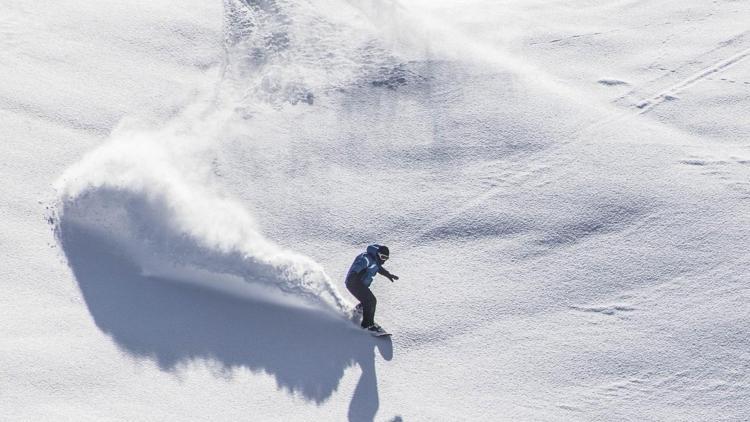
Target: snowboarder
359	278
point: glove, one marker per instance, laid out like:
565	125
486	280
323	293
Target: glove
393	277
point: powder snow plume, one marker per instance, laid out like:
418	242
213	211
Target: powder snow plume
152	191
149	192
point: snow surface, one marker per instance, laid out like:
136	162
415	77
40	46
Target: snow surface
564	186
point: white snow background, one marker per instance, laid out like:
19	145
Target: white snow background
564	187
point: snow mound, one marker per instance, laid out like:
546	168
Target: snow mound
611	82
149	192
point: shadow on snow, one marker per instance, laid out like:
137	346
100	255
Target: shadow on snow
173	322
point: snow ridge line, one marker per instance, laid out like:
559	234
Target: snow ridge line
648	104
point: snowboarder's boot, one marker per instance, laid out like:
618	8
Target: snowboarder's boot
377	330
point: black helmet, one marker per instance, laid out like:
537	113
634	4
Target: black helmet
383	253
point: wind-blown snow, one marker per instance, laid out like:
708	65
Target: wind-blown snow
563	185
150	192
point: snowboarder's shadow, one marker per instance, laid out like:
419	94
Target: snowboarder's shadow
365	401
173	322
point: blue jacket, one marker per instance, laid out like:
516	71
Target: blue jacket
365	266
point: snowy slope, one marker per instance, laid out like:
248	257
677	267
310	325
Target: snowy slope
563	185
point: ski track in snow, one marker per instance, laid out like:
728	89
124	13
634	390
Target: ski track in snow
721	61
670	93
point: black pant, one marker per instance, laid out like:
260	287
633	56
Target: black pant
367	299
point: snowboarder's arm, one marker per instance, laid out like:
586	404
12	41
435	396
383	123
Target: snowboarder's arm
382	271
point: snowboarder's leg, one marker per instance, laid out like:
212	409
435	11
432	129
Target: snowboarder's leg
368	301
356	291
368	308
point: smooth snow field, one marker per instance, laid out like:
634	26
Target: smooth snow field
564	187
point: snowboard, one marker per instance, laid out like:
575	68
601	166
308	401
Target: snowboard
381	333
357	320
